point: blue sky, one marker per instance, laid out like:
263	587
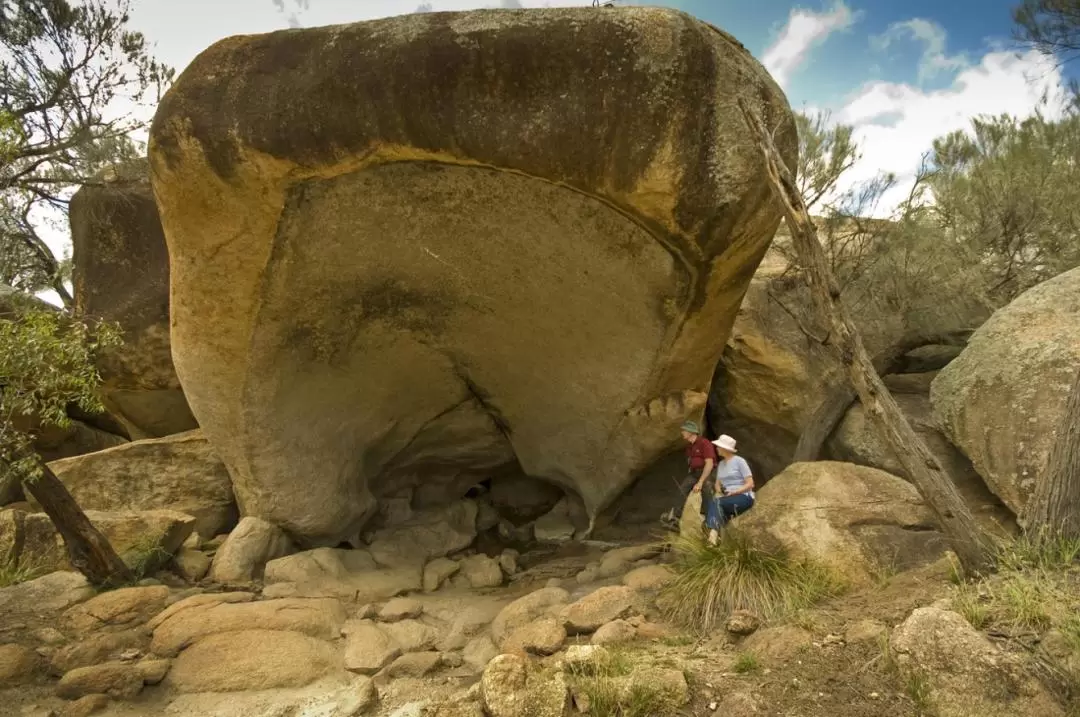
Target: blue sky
901	72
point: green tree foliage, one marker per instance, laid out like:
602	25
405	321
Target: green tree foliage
72	80
897	271
1051	26
46	365
1008	193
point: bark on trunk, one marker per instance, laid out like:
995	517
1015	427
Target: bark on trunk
1054	508
88	550
840	398
967	540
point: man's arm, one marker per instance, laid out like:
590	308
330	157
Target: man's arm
704	474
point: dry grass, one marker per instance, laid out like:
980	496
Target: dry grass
606	686
746	662
1034	590
145	558
12	573
713	581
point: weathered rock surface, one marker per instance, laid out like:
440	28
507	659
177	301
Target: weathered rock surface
334	695
543	637
966	673
119	680
368	648
850	519
116	610
18	665
120	268
597	608
614	633
1002	400
341	573
510	688
180	473
316	618
199	600
855	440
481	571
49	593
257	659
97	648
145	538
649	577
244	554
522	499
429	534
662	214
526	609
439	571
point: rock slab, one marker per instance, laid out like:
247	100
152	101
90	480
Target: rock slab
662	212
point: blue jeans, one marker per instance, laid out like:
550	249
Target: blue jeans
725	507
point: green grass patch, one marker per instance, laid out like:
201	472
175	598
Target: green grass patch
746	662
145	558
1035	588
608	690
12	573
918	691
713	581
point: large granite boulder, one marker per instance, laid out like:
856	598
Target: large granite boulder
145	540
857	522
856	440
430	246
120	272
179	472
1002	400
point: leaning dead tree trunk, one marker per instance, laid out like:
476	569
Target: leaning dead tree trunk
88	550
1054	508
966	538
840	397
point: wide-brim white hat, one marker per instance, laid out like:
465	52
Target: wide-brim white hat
725	442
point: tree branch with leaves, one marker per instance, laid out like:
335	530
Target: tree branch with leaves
47	365
967	539
74	80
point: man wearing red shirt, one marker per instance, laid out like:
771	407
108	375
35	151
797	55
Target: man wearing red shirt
700	461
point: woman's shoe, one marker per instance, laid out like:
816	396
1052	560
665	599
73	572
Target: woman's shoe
713	537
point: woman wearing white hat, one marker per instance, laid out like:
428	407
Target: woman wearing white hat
734	491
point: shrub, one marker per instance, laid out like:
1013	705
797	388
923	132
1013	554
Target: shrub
713	581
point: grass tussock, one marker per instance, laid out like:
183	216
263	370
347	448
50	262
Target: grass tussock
746	662
12	573
1035	589
713	581
604	685
145	557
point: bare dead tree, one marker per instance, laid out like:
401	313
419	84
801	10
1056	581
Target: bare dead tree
1054	508
971	546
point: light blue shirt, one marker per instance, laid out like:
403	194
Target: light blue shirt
732	473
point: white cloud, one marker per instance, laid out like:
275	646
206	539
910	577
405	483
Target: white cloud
934	60
804	30
896	124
